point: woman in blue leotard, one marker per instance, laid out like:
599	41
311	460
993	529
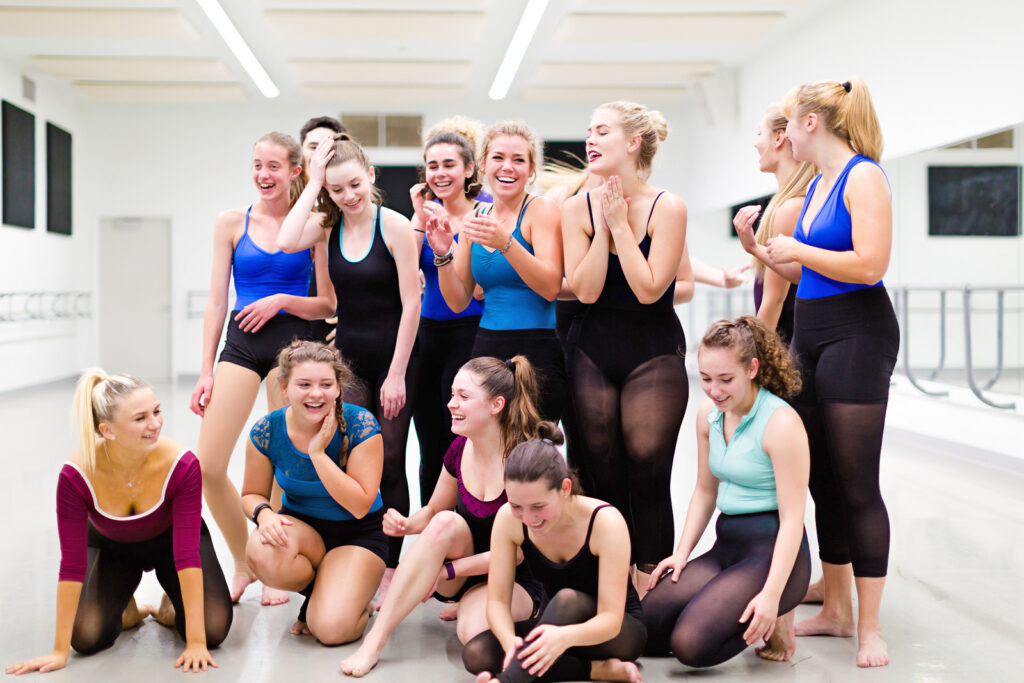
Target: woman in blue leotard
271	309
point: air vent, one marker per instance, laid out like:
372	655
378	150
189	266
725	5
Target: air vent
384	130
28	88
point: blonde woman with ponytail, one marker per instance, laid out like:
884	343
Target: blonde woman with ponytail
846	339
130	500
774	299
325	541
493	409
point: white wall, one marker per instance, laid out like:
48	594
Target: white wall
38	351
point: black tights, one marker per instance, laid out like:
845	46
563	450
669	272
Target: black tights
394	485
113	573
628	432
696	619
568	606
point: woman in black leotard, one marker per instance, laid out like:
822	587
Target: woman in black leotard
372	261
623	248
589	628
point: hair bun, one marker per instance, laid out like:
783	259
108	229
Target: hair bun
659	123
549	431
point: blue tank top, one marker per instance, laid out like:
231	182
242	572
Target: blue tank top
259	273
511	304
294	471
744	471
831	229
434	306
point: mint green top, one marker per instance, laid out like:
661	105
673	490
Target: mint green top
744	471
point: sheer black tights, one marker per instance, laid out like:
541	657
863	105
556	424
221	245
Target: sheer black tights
484	653
112	575
628	435
850	515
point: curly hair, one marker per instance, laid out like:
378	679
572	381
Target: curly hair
472	185
777	371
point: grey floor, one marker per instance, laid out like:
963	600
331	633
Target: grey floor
952	608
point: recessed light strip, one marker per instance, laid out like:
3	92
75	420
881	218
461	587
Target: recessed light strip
517	48
238	46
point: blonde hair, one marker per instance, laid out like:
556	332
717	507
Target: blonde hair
471	129
516	381
795	186
97	397
649	124
751	338
294	159
514	129
345	149
846	110
300	351
556	173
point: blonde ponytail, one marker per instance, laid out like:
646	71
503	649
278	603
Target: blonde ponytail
846	110
97	396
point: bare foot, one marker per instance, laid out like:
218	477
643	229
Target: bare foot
449	613
815	593
872	650
299	628
781	645
133	614
164	614
826	625
239	582
272	596
360	663
614	670
385	582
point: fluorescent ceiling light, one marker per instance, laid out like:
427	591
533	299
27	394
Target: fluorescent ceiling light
517	48
238	46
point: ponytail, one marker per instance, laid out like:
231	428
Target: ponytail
97	396
847	111
516	381
750	338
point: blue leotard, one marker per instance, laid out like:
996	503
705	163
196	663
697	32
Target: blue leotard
294	471
259	273
434	306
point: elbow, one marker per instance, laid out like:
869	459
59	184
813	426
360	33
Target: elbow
551	294
362	509
648	298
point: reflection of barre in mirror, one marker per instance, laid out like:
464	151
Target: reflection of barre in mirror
23	306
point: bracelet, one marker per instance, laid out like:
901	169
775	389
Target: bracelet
508	245
257	511
445	258
449	569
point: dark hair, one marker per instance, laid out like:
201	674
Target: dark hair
328	122
751	339
287	142
473	184
520	418
539	460
345	149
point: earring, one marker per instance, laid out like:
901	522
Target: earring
110	438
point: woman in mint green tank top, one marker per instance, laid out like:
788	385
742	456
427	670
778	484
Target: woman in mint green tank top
753	463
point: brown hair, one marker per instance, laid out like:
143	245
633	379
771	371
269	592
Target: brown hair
345	149
752	339
846	109
514	129
649	124
97	397
300	351
516	382
539	460
472	185
795	186
294	159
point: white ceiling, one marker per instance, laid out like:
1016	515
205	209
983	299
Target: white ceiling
395	53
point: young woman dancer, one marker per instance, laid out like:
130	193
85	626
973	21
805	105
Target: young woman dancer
622	258
846	339
752	464
271	308
493	409
129	500
590	627
445	338
774	299
372	260
326	540
514	252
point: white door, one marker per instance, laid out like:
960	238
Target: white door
135	297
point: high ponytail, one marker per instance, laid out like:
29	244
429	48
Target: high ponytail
97	396
516	381
751	338
847	111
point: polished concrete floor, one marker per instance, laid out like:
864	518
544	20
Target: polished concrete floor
952	607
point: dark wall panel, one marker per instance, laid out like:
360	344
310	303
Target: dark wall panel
58	179
974	200
18	136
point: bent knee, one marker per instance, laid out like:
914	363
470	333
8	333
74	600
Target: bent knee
444	525
92	635
692	650
335	631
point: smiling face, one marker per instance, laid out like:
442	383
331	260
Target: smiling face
313	138
726	380
472	409
350	186
137	421
608	148
508	165
312	390
798	131
271	171
767	146
536	504
446	172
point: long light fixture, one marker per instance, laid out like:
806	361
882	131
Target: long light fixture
238	46
517	48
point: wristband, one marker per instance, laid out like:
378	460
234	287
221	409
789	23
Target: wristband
445	258
508	245
257	511
449	569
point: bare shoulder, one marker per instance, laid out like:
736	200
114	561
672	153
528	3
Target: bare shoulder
669	204
867	177
609	527
230	219
506	525
558	194
394	224
542	207
784	422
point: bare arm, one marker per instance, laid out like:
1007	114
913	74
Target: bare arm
506	536
398	236
685	276
586	255
68	593
443	498
776	287
455	280
744	224
355	488
542	228
302	226
196	655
